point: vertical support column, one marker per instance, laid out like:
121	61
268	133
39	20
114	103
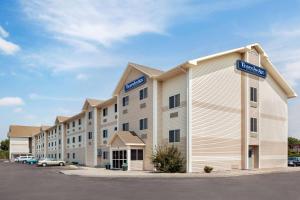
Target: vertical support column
245	116
85	136
128	158
95	135
45	144
110	157
63	141
154	116
57	141
189	121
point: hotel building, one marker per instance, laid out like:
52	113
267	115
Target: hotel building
228	110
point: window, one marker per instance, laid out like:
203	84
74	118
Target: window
51	144
90	115
143	124
79	121
73	139
116	129
55	130
59	156
59	141
174	136
125	100
137	154
73	124
253	94
116	108
55	143
125	126
104	112
90	135
174	101
79	138
73	155
105	133
68	126
68	155
253	125
68	141
59	127
105	155
143	93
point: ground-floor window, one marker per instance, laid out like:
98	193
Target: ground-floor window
73	155
174	136
68	155
105	155
119	158
137	154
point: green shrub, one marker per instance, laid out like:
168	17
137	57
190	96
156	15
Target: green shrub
168	159
4	154
208	169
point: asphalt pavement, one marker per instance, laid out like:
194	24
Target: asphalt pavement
22	182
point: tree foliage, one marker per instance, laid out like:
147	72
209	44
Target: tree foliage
4	145
292	140
168	159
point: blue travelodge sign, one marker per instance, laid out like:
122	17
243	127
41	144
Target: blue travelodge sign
251	69
134	84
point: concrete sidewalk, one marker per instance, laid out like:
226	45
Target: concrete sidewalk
101	172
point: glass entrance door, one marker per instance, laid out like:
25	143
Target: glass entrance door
119	157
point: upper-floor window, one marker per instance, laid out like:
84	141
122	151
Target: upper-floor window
54	130
115	128
68	141
125	126
104	112
79	138
116	107
59	141
143	124
174	136
79	121
73	124
174	101
253	125
105	133
68	126
90	136
125	101
143	93
90	115
73	139
253	94
59	127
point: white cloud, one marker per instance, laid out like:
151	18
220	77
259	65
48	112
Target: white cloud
18	110
34	96
3	32
5	46
11	101
89	27
8	47
82	76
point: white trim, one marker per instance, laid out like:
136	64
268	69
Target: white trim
62	141
95	135
189	121
128	158
154	117
246	115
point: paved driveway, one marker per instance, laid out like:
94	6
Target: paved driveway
21	182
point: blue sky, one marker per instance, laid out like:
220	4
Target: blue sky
54	54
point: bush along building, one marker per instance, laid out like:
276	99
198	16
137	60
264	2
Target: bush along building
227	110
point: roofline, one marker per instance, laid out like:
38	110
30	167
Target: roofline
75	116
107	102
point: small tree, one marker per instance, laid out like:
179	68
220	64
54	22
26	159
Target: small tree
168	159
4	145
292	141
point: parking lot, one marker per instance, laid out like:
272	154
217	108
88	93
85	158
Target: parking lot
22	182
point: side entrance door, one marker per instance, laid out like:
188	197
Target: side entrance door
119	158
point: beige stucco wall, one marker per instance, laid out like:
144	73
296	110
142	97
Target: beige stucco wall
216	114
108	123
135	113
18	145
78	147
273	129
171	87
